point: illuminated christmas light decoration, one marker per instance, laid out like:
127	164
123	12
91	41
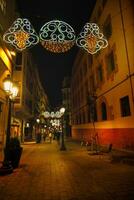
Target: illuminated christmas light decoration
58	114
46	114
91	39
21	34
52	114
57	36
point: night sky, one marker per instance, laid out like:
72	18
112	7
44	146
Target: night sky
53	67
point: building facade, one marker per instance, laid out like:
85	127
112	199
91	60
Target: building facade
108	76
7	59
21	66
32	98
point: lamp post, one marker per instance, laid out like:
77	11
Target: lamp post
38	134
62	148
11	91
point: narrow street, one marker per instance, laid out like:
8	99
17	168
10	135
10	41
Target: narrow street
47	173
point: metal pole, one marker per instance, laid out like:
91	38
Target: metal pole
62	148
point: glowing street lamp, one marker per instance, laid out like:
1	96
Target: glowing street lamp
62	111
38	120
11	91
7	83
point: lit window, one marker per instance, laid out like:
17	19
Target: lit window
125	106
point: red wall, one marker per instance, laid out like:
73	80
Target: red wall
122	138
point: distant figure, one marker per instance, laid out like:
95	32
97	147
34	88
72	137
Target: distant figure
50	137
58	136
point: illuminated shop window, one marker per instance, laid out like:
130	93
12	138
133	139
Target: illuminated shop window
125	106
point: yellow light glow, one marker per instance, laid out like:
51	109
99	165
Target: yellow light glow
21	38
91	42
13	53
56	47
7	84
62	110
14	91
5	59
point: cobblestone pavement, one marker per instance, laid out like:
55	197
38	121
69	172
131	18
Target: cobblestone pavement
46	173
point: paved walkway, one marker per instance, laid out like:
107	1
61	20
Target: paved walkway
46	173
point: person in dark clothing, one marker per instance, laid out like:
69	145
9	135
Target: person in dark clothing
58	136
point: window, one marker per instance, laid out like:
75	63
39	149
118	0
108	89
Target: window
3	6
1	106
91	83
99	12
100	73
18	67
104	111
93	113
107	28
90	61
125	106
110	63
104	3
18	59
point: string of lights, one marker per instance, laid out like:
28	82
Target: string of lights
56	36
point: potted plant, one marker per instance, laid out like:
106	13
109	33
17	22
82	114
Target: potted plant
14	152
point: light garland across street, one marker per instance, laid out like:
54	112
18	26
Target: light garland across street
56	36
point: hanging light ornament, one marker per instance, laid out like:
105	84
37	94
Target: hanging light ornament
21	34
46	114
58	114
57	36
91	39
